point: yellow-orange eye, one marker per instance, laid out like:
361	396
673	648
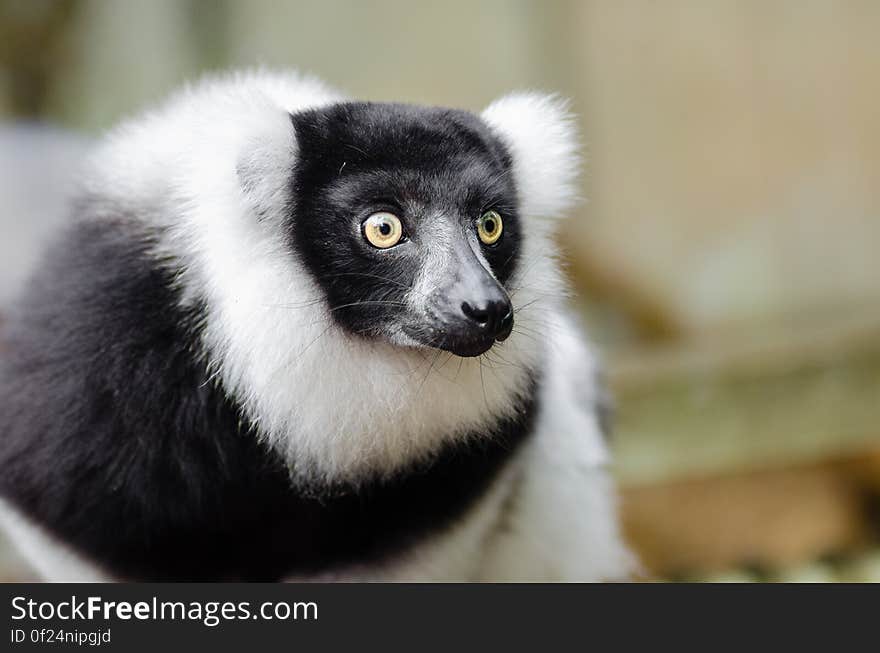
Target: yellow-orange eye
489	227
383	230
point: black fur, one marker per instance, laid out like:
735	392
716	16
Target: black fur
421	164
113	439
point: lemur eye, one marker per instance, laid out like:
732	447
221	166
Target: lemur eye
489	227
383	230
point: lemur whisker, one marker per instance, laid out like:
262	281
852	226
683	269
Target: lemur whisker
518	330
293	365
427	374
446	377
495	352
524	275
458	371
302	304
541	293
483	384
357	149
492	367
372	276
370	302
526	305
541	327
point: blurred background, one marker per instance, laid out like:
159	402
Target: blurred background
726	258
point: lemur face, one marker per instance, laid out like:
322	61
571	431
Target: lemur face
406	217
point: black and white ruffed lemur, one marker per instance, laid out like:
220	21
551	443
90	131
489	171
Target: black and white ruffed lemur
287	336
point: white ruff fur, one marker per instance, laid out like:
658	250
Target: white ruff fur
210	169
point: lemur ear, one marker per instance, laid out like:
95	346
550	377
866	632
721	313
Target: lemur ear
542	138
265	164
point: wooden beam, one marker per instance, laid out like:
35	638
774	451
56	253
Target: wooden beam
794	397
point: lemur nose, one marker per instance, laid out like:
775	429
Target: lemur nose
495	316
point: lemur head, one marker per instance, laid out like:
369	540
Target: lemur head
407	217
350	262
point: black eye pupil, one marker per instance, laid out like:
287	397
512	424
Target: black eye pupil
385	229
489	225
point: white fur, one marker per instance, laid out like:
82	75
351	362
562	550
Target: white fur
563	524
551	516
209	167
541	134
